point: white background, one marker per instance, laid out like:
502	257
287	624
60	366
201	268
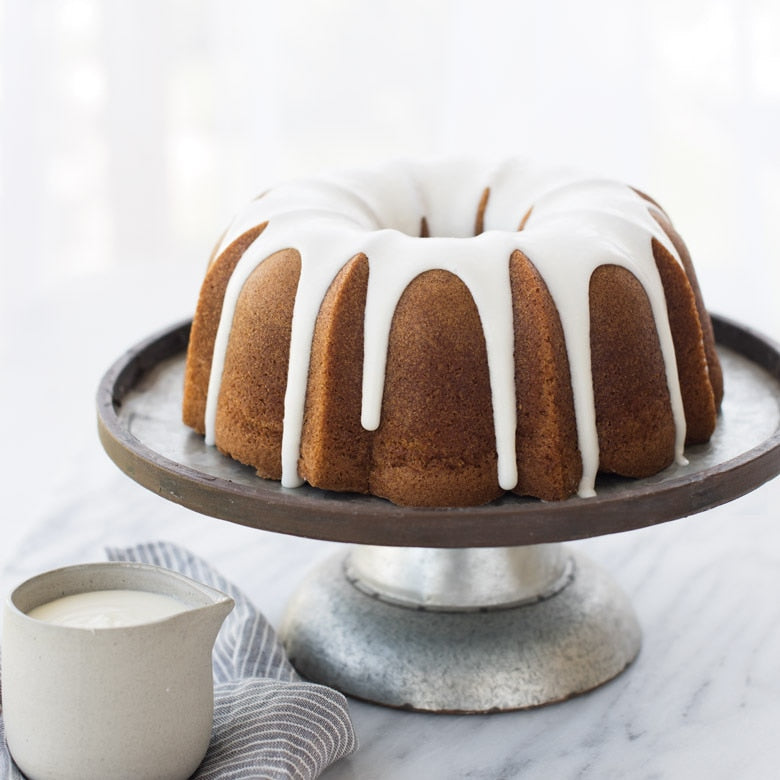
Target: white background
130	132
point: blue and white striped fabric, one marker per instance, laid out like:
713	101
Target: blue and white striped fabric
268	723
8	770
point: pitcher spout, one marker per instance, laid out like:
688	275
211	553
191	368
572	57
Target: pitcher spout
210	617
207	607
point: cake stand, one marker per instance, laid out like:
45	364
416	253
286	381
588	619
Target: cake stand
475	609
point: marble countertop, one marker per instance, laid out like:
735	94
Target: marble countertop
701	700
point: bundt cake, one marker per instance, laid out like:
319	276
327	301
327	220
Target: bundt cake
438	334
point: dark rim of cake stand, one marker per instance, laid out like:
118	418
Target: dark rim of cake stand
342	517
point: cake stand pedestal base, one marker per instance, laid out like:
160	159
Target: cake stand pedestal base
463	630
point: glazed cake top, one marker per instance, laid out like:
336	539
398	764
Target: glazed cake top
566	223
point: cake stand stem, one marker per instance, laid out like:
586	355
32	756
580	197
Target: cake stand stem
460	630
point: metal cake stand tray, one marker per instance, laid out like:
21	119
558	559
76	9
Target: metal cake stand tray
473	609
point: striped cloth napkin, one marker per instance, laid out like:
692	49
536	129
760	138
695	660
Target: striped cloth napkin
268	723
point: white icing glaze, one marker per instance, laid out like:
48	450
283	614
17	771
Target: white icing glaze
576	224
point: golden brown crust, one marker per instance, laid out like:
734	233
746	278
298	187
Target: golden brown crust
335	448
636	431
713	363
436	444
548	459
527	214
250	409
692	364
479	222
204	329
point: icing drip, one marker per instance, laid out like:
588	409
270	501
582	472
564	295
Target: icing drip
571	226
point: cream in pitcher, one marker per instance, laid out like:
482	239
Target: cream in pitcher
107	608
107	672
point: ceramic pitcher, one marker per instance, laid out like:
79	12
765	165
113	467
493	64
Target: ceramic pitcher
120	702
